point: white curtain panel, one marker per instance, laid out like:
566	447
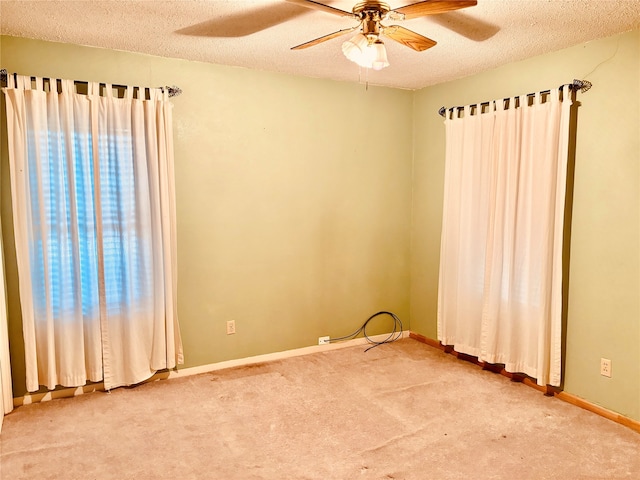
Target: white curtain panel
94	219
500	285
6	402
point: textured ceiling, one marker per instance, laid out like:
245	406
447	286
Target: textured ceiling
258	34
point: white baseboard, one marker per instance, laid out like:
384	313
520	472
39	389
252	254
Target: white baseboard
185	372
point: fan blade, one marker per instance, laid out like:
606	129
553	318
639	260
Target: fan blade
466	25
324	39
322	7
432	7
408	37
244	23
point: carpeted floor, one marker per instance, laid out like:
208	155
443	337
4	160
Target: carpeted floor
400	411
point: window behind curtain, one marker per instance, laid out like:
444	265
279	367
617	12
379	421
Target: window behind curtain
126	270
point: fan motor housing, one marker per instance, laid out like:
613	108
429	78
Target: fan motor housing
380	7
371	14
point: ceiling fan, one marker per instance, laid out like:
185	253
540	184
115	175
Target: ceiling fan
366	48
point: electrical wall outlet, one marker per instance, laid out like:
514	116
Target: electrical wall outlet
324	340
605	367
231	327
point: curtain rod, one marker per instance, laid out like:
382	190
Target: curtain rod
172	90
582	85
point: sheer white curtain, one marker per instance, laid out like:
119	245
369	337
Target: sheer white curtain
500	286
94	220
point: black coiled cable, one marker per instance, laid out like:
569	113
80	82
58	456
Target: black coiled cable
395	334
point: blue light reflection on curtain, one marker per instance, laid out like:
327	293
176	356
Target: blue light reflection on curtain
122	262
128	279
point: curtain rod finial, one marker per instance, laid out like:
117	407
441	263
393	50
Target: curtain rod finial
582	85
173	90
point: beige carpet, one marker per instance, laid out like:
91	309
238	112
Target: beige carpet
399	411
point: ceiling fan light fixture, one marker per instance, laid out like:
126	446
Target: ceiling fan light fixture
380	55
355	48
366	52
366	58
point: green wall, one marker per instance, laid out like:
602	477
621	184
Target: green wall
305	205
602	314
293	200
